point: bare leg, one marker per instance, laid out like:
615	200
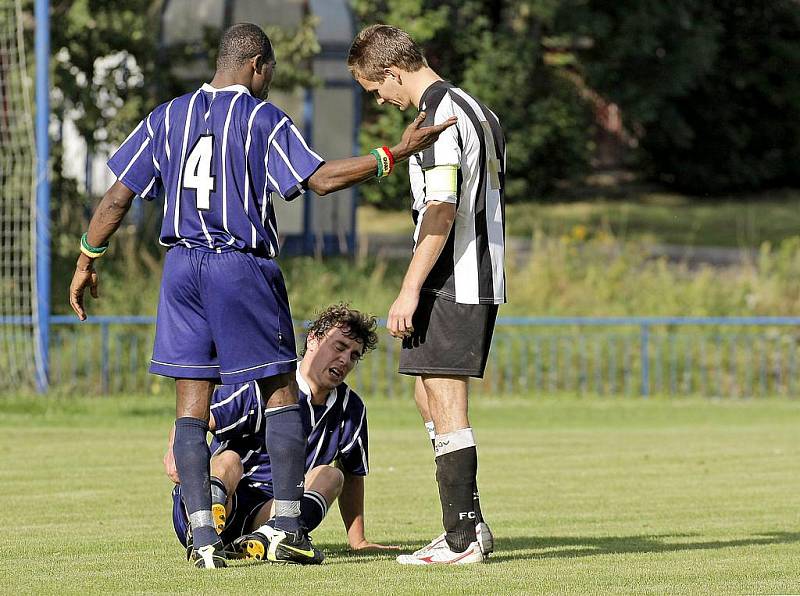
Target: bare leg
448	402
327	481
193	398
421	397
280	390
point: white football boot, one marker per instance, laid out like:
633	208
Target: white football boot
439	553
482	532
485	538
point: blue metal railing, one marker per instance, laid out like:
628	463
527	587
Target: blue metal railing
633	356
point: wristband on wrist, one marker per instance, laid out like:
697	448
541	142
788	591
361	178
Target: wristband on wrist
385	161
391	157
93	252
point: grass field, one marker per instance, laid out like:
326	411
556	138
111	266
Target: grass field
584	496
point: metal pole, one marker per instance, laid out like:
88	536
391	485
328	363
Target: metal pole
105	379
42	325
645	340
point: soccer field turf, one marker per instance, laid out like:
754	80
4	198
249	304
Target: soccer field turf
600	496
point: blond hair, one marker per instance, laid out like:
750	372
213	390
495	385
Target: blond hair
380	46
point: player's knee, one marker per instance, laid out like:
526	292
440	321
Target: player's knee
227	466
337	479
326	480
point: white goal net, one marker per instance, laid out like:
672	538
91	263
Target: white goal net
17	206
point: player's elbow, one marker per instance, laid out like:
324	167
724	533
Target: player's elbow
321	184
118	197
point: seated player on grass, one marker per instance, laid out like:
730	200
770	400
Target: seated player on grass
336	455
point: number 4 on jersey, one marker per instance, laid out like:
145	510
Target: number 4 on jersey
197	171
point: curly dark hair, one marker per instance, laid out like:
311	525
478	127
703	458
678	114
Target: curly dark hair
354	324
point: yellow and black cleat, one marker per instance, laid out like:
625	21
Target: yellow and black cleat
253	547
276	546
220	517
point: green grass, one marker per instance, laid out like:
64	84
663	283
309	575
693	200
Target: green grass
641	214
584	496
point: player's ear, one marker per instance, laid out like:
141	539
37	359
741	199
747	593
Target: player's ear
389	73
258	63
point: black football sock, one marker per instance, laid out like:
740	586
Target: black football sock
476	502
430	427
476	497
192	458
456	468
313	508
286	446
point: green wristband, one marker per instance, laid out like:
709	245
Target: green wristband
95	250
377	157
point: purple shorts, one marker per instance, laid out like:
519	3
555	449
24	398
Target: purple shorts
222	316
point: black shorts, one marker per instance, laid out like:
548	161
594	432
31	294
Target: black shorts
449	338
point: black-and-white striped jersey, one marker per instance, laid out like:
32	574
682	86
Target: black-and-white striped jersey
470	269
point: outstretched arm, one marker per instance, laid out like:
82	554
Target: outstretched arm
105	221
342	173
351	506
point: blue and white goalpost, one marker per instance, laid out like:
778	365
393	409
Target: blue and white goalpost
42	233
24	247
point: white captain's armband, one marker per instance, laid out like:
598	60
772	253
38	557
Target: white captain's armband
441	184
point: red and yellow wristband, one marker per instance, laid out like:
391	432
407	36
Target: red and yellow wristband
385	161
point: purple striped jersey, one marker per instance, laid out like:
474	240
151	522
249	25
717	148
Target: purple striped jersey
218	155
337	430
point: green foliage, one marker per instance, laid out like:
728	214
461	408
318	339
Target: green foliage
103	55
294	48
579	274
657	217
494	51
600	277
545	119
710	88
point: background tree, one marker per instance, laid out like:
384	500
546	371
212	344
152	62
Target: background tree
495	51
709	87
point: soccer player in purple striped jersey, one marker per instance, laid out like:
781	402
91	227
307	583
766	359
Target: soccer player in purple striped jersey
218	155
335	419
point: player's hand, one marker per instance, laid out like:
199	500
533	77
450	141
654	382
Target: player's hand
372	546
84	276
417	137
399	321
169	466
